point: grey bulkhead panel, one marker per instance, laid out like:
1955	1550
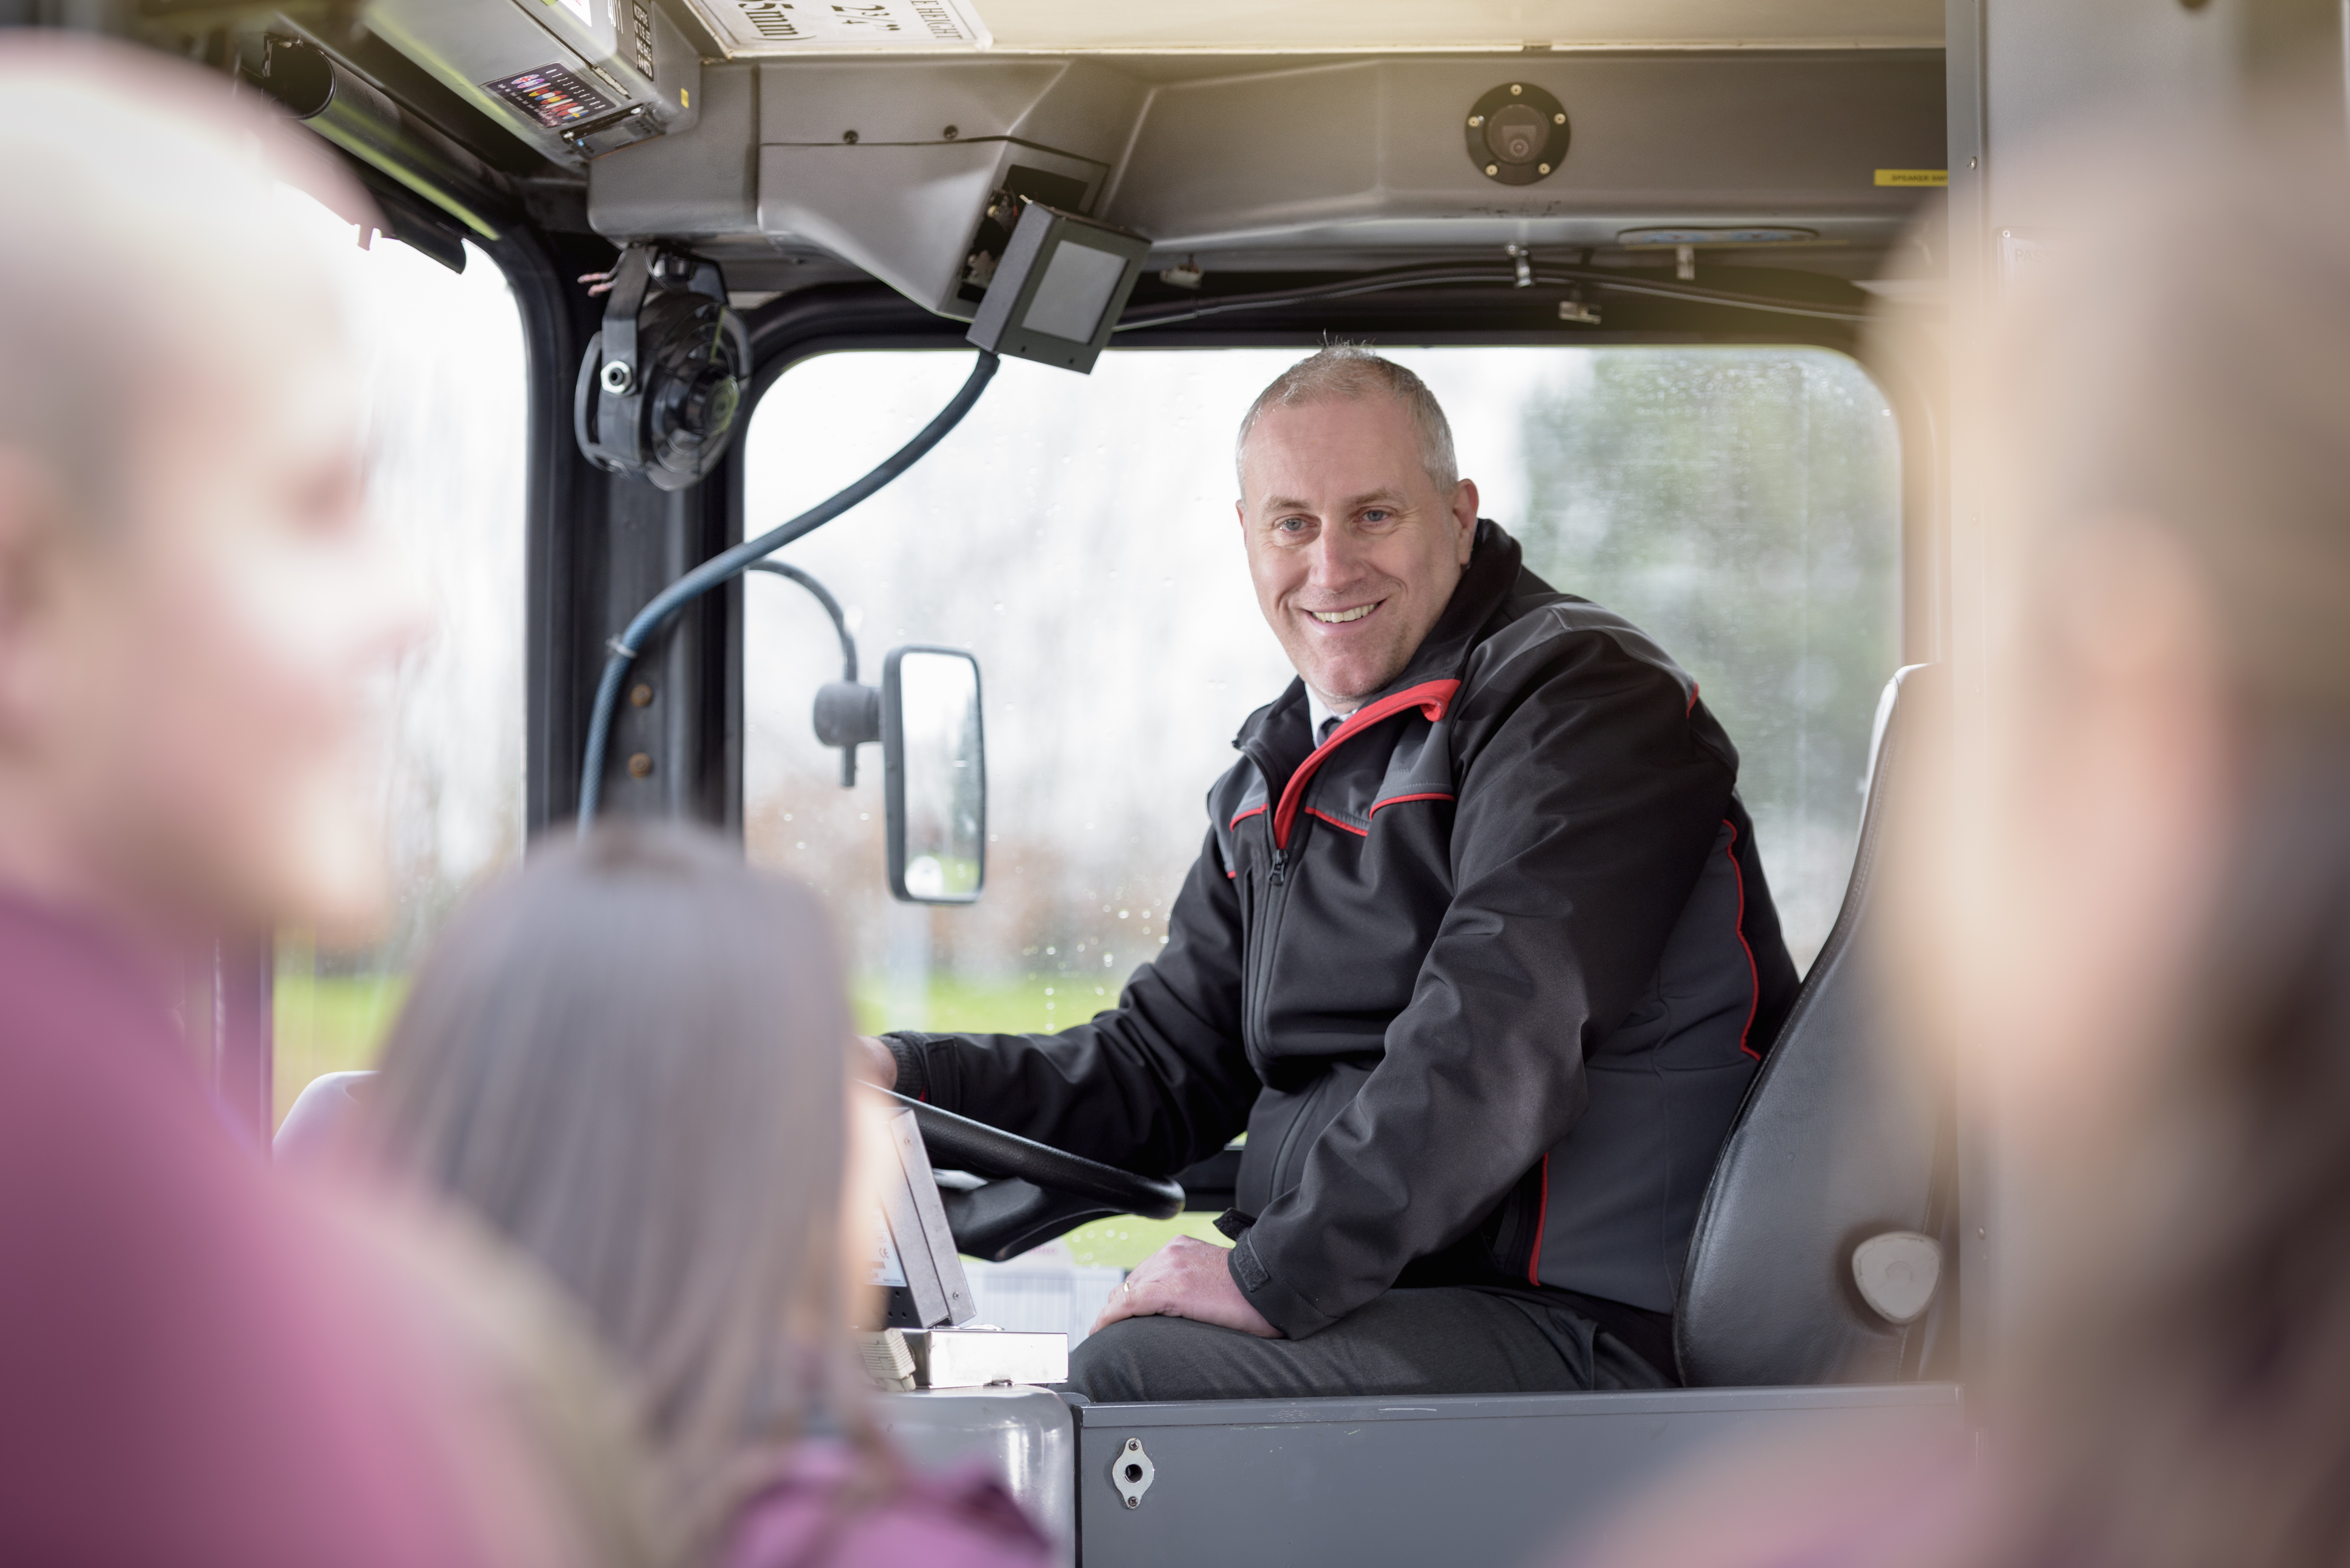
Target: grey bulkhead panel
1472	1480
1354	158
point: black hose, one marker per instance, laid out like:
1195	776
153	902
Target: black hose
728	564
1438	276
848	649
831	607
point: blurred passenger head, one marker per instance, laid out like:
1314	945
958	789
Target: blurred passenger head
189	605
2151	943
1356	521
631	1059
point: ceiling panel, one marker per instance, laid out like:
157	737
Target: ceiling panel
788	27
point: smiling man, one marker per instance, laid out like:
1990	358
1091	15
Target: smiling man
1478	952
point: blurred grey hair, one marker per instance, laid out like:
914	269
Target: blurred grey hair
1344	372
631	1059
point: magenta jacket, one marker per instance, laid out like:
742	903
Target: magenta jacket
961	1518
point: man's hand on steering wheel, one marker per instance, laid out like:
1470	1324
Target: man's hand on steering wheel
1186	1277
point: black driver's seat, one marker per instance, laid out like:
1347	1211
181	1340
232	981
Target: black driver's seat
1820	1251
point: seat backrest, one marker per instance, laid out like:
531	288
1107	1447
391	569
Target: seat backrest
1844	1138
319	1120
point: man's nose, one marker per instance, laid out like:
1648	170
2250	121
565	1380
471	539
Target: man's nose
1335	560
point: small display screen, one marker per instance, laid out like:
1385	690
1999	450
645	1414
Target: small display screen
552	96
1074	290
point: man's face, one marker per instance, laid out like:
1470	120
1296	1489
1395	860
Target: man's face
1354	551
213	651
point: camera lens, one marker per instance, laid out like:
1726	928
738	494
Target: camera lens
1517	134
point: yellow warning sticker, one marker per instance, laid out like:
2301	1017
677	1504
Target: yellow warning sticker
1913	176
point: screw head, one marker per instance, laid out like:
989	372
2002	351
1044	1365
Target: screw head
1542	168
1515	89
1493	169
640	695
953	132
849	137
617	376
1558	120
1475	121
640	766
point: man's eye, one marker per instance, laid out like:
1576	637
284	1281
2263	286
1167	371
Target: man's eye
1293	524
1377	514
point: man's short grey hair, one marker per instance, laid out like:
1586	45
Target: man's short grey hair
1344	372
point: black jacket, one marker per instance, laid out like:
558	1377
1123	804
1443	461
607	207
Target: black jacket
1483	977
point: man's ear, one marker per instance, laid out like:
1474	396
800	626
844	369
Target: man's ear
1464	519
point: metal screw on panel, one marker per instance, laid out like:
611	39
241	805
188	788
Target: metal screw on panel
849	137
1493	169
1558	120
640	695
953	132
1542	168
1515	89
1475	121
617	376
640	766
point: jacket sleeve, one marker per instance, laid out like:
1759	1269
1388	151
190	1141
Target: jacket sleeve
1151	1085
1582	823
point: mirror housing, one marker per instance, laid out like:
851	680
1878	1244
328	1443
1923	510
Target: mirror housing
934	775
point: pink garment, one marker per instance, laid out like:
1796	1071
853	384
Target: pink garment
186	1377
960	1519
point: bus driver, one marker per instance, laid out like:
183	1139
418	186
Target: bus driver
1478	951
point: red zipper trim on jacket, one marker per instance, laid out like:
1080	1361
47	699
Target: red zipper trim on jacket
1429	697
1541	1218
1379	806
1753	975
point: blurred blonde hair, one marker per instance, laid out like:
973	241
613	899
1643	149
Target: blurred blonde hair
631	1059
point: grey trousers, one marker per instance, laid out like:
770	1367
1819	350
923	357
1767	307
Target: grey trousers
1452	1339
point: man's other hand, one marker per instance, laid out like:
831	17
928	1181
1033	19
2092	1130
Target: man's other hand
875	1063
1186	1277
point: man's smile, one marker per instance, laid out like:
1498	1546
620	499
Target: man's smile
1342	616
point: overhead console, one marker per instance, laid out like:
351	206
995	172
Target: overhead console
795	142
911	170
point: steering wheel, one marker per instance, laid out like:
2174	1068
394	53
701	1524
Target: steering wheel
1036	1191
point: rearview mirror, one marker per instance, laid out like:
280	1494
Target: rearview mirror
934	775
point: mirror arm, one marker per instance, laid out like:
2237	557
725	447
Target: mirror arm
829	717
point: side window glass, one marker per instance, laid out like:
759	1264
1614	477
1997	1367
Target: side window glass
447	389
1742	506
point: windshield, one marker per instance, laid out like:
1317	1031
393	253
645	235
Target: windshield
1077	535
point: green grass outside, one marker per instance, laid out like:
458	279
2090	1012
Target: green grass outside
334	1023
330	1023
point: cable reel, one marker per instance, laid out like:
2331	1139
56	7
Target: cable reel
662	384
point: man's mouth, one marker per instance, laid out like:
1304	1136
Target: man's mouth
1340	618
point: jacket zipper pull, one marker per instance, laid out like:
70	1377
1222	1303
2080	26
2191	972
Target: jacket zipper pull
1280	860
